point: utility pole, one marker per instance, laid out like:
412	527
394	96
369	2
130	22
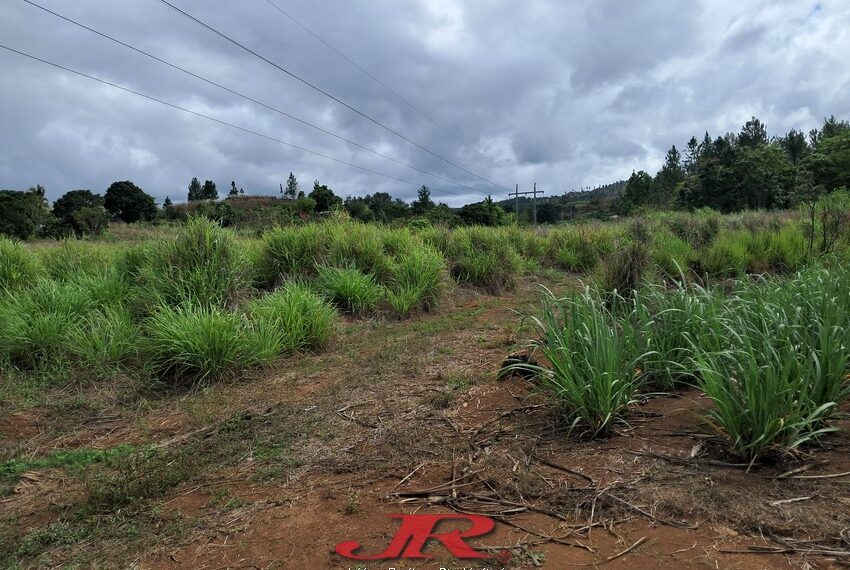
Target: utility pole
516	194
516	203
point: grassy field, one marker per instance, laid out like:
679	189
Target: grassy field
143	367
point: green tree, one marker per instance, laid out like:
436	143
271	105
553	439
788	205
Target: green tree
549	212
484	213
359	209
81	212
668	178
209	192
129	203
195	190
233	190
292	189
638	192
753	133
423	201
830	162
325	198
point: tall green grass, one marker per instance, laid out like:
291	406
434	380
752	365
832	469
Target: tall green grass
482	257
294	317
19	266
349	289
194	343
592	357
203	265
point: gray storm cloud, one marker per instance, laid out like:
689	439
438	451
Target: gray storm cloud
567	94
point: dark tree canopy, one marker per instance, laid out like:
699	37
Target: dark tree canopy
291	190
423	201
325	198
129	203
209	192
82	212
195	192
484	213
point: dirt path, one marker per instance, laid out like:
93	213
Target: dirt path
402	418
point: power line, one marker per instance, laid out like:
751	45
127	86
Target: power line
329	95
248	98
363	70
213	119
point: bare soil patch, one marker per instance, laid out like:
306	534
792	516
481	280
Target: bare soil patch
409	417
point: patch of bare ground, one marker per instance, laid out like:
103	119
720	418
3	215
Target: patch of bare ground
409	417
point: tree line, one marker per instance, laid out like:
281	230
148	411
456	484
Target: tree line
746	170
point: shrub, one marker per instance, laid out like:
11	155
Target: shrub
196	342
349	289
19	267
292	318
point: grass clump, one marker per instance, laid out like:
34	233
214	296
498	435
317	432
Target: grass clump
416	281
19	266
727	256
756	389
106	340
202	265
482	257
193	343
349	289
38	322
592	360
292	318
574	251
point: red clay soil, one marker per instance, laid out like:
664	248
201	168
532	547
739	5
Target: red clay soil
409	418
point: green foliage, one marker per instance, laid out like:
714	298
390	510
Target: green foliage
671	254
484	213
81	212
349	289
292	318
727	256
38	322
194	343
203	265
72	258
592	372
324	197
23	214
416	281
482	257
105	341
574	249
289	252
129	203
19	266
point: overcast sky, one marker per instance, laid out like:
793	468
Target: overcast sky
564	93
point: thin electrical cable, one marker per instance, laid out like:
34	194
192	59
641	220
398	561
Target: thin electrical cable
215	120
246	97
363	70
330	96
